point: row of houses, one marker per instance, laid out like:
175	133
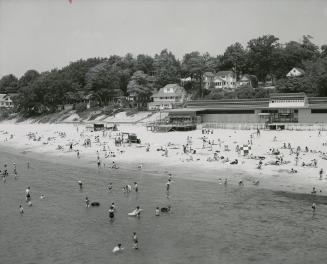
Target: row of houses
226	80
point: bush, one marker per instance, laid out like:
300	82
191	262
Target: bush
80	107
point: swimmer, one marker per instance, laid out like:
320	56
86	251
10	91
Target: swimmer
313	207
117	248
113	206
135	241
21	209
225	182
80	185
87	202
110	187
42	196
157	211
29	203
240	183
314	192
28	190
28	197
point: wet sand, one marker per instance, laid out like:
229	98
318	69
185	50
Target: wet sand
209	223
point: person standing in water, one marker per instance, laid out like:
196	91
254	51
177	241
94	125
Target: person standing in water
21	209
111	212
135	241
136	188
87	202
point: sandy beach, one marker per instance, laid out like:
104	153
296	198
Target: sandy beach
52	142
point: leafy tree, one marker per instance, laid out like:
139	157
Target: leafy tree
235	58
167	68
260	56
103	82
145	63
140	87
194	65
28	77
8	84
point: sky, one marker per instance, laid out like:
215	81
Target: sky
47	34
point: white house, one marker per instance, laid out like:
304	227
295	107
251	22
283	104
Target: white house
248	80
295	72
168	97
220	80
6	101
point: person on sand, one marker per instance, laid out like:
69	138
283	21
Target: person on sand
21	209
118	248
135	241
321	174
28	164
77	153
99	162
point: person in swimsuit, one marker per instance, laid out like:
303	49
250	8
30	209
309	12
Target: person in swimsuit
135	241
111	212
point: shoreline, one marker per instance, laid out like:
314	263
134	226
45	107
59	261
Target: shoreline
273	178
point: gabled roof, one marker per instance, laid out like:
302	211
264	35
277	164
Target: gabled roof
223	73
177	91
2	96
209	74
298	69
218	78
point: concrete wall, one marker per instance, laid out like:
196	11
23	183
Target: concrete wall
305	116
229	118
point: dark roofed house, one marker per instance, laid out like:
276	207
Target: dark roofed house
168	97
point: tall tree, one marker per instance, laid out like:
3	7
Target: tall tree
140	87
194	65
8	84
167	68
235	58
260	56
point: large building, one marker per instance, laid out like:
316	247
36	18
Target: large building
284	108
168	97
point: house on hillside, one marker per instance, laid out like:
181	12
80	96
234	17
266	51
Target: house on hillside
168	97
248	80
208	79
220	80
6	101
295	72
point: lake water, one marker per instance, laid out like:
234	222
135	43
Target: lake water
209	223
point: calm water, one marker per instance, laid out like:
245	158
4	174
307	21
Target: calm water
208	223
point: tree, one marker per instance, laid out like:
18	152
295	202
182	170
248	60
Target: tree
194	65
140	88
28	77
8	84
103	82
145	63
167	68
235	58
260	56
